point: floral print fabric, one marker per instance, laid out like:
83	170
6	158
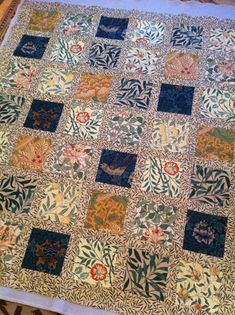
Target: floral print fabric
30	153
147	32
154	223
106	212
198	287
76	24
205	233
146	274
43	21
181	66
187	36
220	70
10	108
84	122
59	203
222	40
113	28
9	237
95	262
162	177
94	87
215	143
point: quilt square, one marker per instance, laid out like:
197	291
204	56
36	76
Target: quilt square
154	223
16	193
104	56
67	51
181	66
59	203
162	177
134	93
176	99
146	274
198	287
116	168
106	212
205	233
30	153
46	251
72	160
3	146
220	70
18	75
210	186
94	87
222	40
141	61
31	47
95	262
84	122
44	115
76	24
43	21
187	36
171	135
216	103
10	108
112	28
126	129
55	82
9	237
147	32
215	143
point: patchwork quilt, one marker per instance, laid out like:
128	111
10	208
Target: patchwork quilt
116	153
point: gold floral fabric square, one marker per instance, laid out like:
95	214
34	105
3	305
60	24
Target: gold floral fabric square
181	66
30	153
94	87
43	21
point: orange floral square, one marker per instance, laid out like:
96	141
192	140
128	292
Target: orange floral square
94	87
215	143
106	212
30	152
43	21
181	66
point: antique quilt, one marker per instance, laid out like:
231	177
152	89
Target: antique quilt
116	159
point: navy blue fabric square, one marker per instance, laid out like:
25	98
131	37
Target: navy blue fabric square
176	99
205	233
46	251
31	47
113	28
44	115
116	168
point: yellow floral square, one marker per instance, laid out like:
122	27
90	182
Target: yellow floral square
43	21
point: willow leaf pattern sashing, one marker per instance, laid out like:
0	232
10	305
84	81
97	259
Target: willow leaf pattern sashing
187	36
10	108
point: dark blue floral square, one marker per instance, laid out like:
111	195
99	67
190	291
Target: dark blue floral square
44	115
116	168
31	47
113	28
205	233
46	251
176	99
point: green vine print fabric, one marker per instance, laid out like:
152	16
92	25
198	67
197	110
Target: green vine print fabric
59	203
55	82
16	193
146	274
9	237
67	51
126	129
187	36
147	32
170	136
76	24
95	262
162	177
72	160
210	186
220	70
10	108
3	146
217	103
84	122
198	287
104	56
154	223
